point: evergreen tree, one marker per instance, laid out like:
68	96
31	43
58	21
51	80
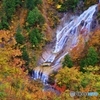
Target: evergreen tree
35	17
9	8
18	2
25	55
4	23
67	61
92	59
68	5
31	4
35	36
7	11
19	37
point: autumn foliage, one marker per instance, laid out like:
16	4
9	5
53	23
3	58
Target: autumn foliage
20	48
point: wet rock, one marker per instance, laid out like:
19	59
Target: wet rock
94	24
82	23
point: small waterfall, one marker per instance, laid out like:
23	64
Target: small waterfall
41	73
66	40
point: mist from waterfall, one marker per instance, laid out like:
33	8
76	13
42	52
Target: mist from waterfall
66	40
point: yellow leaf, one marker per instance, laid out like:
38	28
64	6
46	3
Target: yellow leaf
58	6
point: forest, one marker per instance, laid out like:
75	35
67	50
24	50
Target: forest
27	28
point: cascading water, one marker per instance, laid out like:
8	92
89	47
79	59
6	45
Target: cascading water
66	40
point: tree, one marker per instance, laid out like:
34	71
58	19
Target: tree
69	77
95	41
30	4
19	37
18	87
35	17
9	8
78	81
18	2
88	3
4	23
35	36
92	59
68	5
25	55
67	61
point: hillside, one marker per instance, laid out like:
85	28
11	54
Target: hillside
28	29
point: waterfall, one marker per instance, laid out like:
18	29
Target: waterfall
66	40
70	28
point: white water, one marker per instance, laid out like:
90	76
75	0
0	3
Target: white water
66	39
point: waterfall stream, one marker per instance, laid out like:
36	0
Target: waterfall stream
66	40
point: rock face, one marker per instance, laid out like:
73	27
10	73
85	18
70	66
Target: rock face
98	6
